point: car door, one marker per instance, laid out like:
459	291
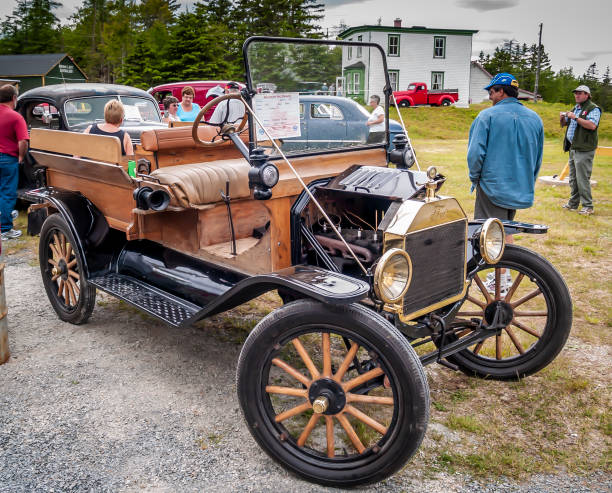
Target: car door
327	126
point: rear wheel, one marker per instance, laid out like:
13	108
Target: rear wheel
446	102
61	267
540	306
334	394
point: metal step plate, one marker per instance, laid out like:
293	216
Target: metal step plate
156	302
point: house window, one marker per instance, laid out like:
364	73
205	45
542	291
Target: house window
437	80
350	50
393	46
360	39
394	79
439	46
356	82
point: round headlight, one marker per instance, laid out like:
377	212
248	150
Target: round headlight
492	240
432	172
269	175
392	275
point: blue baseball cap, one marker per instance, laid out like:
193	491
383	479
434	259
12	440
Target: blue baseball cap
503	79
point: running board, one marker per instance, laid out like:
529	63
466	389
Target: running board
162	305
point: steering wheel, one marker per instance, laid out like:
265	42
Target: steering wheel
224	129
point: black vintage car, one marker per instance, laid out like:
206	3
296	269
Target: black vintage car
74	107
379	273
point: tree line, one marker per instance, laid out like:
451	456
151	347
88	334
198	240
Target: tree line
148	42
521	61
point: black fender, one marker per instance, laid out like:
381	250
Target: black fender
510	228
311	282
87	224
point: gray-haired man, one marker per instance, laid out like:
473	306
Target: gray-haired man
581	142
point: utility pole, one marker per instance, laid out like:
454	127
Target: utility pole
537	78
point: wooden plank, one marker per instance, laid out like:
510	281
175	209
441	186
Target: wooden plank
85	168
97	147
280	231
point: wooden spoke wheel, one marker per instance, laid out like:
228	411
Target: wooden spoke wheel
61	267
538	305
335	394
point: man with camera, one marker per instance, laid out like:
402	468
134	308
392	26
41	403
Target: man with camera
581	141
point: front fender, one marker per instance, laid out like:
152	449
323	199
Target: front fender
311	282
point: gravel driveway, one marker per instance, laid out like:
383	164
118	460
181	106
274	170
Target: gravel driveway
125	403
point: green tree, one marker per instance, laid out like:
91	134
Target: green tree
32	28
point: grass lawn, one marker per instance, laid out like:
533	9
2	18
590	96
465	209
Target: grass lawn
557	420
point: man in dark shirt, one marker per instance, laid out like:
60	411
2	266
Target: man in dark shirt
13	148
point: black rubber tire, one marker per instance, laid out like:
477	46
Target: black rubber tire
404	104
401	365
446	102
556	327
77	313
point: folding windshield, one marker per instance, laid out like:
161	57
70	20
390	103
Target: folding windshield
314	96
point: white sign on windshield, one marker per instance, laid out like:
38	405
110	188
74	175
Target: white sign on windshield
132	113
279	112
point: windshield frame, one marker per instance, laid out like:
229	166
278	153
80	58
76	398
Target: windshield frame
70	126
252	91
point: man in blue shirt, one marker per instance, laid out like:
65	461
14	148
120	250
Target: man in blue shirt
504	153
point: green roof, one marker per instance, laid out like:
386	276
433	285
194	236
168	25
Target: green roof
33	64
413	29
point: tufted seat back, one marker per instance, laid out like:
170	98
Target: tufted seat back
202	183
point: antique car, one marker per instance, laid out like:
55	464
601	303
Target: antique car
371	261
332	121
74	107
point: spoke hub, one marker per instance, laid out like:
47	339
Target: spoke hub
498	314
328	390
61	269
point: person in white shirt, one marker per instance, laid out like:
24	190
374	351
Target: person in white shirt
170	108
229	110
376	122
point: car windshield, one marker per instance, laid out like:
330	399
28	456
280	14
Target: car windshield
315	96
412	87
82	112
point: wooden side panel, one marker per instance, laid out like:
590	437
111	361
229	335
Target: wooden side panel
280	232
114	202
246	215
98	147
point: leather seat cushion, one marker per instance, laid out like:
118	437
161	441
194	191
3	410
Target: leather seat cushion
202	183
161	139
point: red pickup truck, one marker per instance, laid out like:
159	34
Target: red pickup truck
417	94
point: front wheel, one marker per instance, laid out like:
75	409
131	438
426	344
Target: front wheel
61	267
539	305
404	104
335	394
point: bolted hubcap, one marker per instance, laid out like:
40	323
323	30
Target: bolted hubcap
326	396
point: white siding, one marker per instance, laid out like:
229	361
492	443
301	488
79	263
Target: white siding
416	61
478	80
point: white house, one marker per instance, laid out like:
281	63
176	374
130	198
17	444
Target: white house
438	57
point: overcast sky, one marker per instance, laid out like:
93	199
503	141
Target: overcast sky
575	33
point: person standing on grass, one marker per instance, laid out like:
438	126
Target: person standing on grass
581	142
504	156
13	148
